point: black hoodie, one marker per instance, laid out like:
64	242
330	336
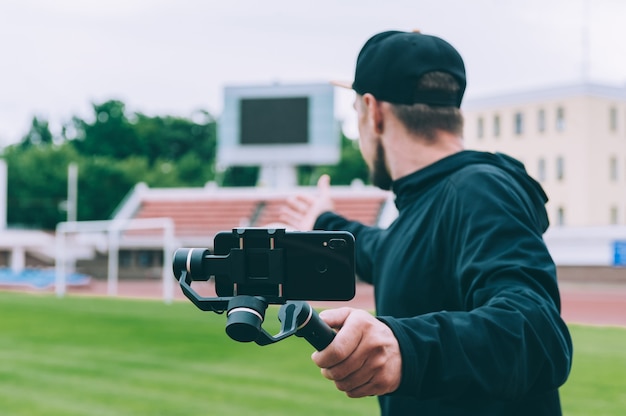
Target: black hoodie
466	283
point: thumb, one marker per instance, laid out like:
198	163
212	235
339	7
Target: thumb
323	185
335	318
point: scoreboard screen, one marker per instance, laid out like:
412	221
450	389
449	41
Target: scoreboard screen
274	120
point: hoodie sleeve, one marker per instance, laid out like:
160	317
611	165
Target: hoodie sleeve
508	341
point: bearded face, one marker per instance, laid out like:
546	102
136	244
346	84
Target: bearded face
371	147
379	173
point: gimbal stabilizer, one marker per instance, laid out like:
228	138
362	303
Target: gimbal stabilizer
256	268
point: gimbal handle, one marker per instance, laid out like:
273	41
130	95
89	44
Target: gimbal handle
310	325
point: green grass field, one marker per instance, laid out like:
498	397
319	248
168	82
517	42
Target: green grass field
102	356
597	383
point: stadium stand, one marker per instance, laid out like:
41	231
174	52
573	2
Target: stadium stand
199	213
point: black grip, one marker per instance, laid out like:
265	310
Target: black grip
314	330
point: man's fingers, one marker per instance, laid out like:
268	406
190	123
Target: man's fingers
345	342
335	317
301	203
323	185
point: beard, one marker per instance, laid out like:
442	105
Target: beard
380	173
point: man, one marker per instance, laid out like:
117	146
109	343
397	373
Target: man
468	310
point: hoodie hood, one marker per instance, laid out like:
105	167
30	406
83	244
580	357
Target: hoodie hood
408	187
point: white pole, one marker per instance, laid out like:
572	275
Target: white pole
278	176
168	252
72	192
4	177
59	263
18	259
112	270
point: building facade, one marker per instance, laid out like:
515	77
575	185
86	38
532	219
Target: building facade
572	140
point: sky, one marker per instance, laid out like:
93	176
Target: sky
174	57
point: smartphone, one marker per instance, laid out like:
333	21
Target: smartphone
295	265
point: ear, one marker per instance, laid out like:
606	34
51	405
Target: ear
374	113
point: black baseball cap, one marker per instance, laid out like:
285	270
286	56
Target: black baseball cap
391	62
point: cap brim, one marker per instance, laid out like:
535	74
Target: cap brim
342	84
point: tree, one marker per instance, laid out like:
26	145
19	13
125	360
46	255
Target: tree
240	176
172	138
194	170
110	134
113	153
38	134
116	134
103	182
37	184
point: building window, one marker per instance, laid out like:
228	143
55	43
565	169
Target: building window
519	123
560	168
560	119
541	170
613	169
560	216
614	216
613	119
541	120
480	128
496	126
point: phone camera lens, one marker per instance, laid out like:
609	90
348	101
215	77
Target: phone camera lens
336	243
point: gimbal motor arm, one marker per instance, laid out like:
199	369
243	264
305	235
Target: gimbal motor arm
245	314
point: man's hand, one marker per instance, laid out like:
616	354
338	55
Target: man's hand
301	211
364	358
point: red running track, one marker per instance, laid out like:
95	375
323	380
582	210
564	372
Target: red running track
594	304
